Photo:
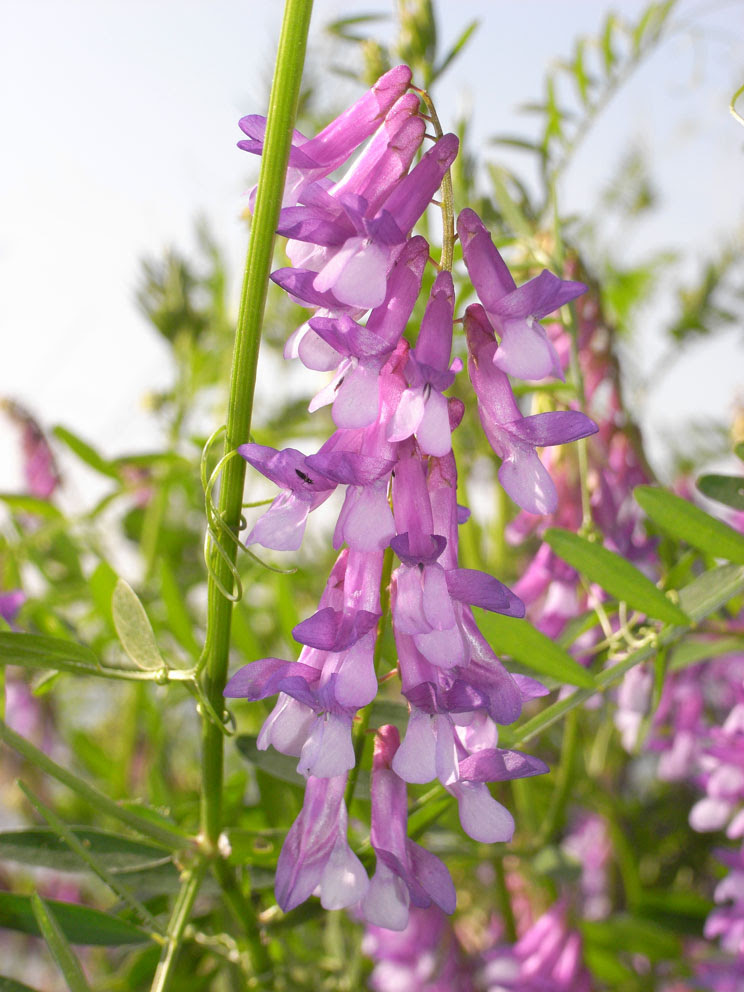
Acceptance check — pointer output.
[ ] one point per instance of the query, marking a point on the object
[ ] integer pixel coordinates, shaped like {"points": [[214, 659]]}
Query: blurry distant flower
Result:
{"points": [[39, 467]]}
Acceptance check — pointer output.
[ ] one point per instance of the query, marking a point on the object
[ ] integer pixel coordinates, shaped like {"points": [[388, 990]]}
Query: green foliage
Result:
{"points": [[614, 574], [527, 645], [687, 522], [578, 89], [58, 945], [726, 489], [78, 924]]}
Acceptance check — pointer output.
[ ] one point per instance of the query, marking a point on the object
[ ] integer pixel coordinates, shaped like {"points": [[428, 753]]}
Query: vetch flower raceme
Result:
{"points": [[353, 255]]}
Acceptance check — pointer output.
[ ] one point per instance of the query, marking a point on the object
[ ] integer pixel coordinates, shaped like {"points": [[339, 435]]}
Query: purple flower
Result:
{"points": [[525, 349], [363, 351], [10, 604], [39, 466], [334, 677], [514, 437], [283, 525], [362, 249], [311, 159], [405, 871], [547, 958], [316, 856], [423, 410], [426, 956]]}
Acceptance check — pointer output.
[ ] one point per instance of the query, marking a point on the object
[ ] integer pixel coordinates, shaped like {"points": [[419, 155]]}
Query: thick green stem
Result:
{"points": [[280, 123]]}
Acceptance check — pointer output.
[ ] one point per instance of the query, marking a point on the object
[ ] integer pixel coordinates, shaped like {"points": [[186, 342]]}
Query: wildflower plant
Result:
{"points": [[357, 716]]}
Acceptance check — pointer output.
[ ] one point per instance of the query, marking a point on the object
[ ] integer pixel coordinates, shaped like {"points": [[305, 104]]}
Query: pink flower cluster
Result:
{"points": [[356, 264]]}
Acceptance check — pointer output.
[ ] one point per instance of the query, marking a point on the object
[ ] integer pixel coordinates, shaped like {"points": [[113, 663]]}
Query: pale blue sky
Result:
{"points": [[120, 123]]}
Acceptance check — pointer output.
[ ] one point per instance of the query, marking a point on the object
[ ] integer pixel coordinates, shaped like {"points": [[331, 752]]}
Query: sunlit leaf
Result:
{"points": [[18, 503], [614, 574], [134, 628], [11, 985], [636, 936], [458, 46], [179, 618], [85, 452], [711, 590], [531, 648], [689, 523], [36, 651], [284, 767], [691, 651]]}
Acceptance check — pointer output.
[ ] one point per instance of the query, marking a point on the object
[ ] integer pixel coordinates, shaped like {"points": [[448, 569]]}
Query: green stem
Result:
{"points": [[95, 865], [177, 926], [244, 915], [280, 123], [507, 912], [448, 197], [564, 779]]}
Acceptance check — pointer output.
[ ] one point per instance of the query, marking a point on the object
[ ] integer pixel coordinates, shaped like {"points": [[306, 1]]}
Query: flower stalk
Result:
{"points": [[281, 116]]}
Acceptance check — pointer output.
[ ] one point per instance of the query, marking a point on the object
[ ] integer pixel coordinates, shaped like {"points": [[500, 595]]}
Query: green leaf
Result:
{"points": [[95, 864], [141, 820], [531, 648], [102, 583], [279, 766], [726, 489], [608, 52], [458, 46], [710, 591], [691, 651], [257, 848], [683, 912], [57, 944], [11, 985], [633, 935], [605, 966], [179, 618], [578, 69], [17, 503], [689, 523], [42, 848], [85, 452], [134, 628], [56, 653], [421, 819], [739, 450], [80, 924], [510, 210], [702, 597], [614, 574]]}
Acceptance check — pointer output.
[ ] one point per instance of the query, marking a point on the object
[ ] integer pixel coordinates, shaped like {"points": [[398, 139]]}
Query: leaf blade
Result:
{"points": [[615, 575], [134, 628], [689, 523], [80, 924], [58, 945], [532, 648]]}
